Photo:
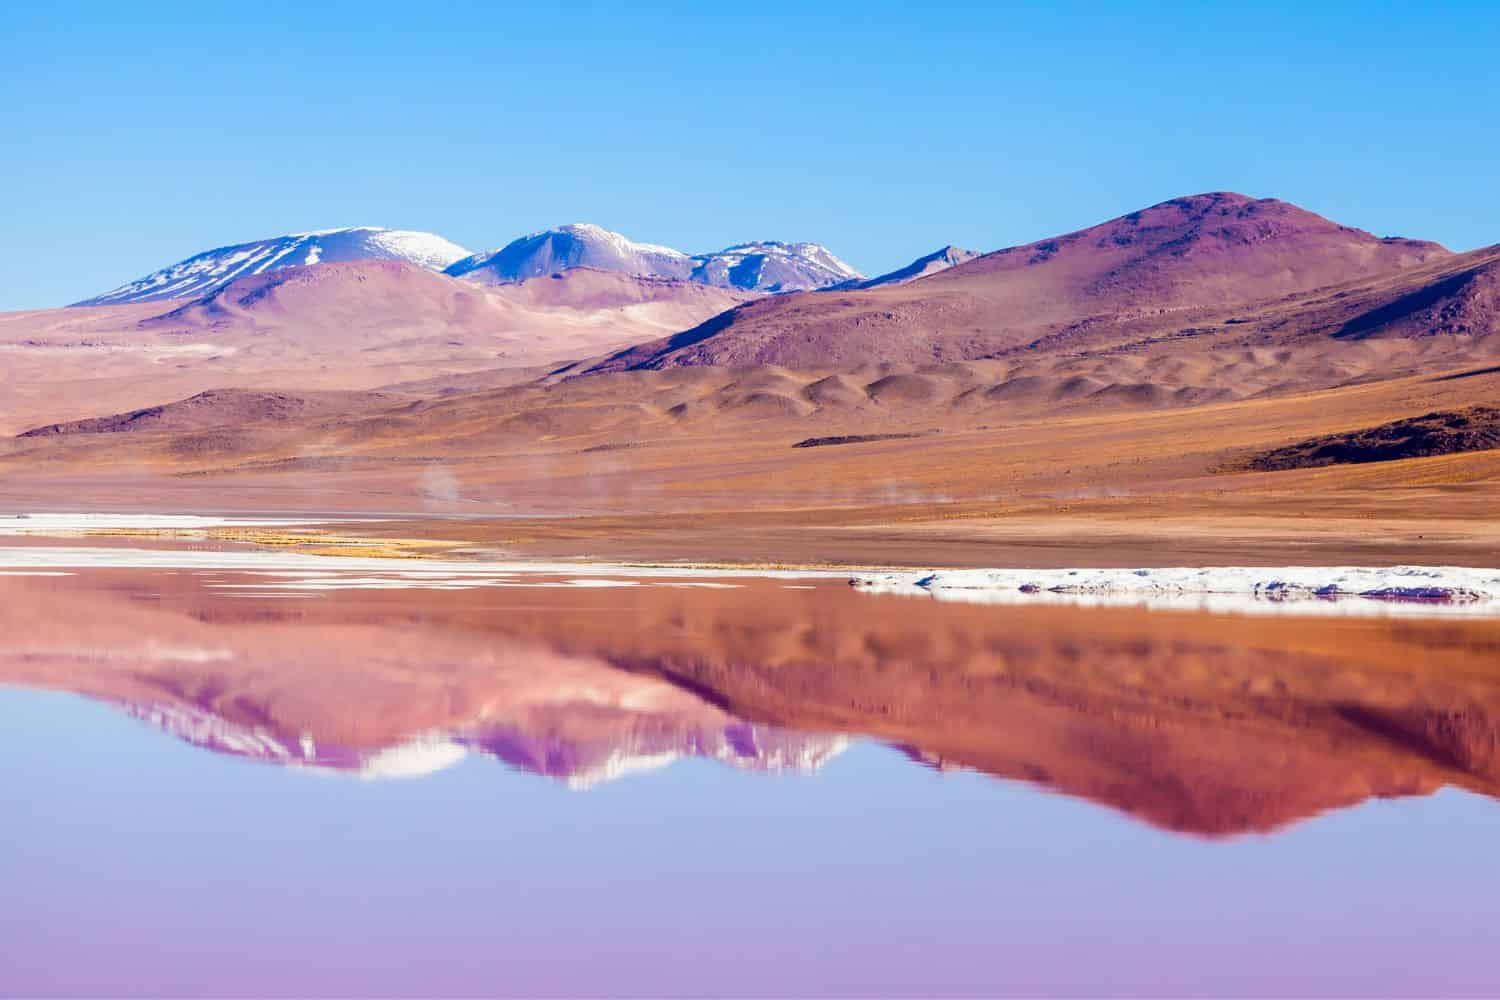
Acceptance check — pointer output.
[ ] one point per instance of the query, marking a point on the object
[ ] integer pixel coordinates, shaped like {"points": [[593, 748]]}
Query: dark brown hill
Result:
{"points": [[225, 408]]}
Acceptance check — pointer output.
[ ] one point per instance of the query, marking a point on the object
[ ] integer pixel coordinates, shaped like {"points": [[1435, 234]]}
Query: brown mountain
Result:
{"points": [[351, 325], [1158, 265], [369, 304], [922, 267]]}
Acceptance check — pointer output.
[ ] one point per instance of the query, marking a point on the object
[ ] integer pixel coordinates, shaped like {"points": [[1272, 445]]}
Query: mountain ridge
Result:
{"points": [[759, 266], [925, 266], [1192, 254]]}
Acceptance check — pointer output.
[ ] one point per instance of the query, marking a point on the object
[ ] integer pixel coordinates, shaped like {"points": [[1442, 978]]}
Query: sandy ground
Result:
{"points": [[701, 465], [1160, 487]]}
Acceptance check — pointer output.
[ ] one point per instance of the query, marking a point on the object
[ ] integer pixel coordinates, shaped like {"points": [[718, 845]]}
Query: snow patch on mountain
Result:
{"points": [[771, 266], [579, 244], [621, 244]]}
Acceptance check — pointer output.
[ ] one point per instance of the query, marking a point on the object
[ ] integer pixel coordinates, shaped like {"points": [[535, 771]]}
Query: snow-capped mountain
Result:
{"points": [[754, 267], [760, 267], [772, 267], [576, 245], [205, 273], [938, 260]]}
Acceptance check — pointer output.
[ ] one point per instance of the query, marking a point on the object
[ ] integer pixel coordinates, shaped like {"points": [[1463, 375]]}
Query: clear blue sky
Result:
{"points": [[138, 134]]}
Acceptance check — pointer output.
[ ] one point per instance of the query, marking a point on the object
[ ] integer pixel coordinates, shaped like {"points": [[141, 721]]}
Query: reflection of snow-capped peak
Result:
{"points": [[740, 745], [580, 763], [208, 730], [584, 763], [421, 755], [782, 750], [617, 765]]}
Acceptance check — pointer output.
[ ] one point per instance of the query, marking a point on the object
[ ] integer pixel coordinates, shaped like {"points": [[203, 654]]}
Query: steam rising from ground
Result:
{"points": [[439, 485]]}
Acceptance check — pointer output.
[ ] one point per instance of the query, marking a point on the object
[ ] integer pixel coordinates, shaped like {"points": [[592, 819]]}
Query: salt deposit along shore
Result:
{"points": [[278, 570], [1311, 590], [67, 525], [1269, 589], [270, 571]]}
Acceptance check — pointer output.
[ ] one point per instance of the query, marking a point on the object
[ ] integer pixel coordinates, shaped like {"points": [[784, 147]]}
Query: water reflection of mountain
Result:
{"points": [[579, 762], [1202, 724]]}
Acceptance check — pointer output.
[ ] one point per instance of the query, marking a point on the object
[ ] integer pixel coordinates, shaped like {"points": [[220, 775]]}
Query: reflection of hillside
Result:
{"points": [[371, 696], [1210, 725]]}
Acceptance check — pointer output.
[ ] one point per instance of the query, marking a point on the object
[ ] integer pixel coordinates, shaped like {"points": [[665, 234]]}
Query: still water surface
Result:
{"points": [[756, 789]]}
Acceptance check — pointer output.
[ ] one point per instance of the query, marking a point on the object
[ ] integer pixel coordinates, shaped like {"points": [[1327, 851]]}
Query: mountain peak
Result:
{"points": [[938, 260], [773, 266], [760, 266], [1151, 269], [207, 272], [577, 244]]}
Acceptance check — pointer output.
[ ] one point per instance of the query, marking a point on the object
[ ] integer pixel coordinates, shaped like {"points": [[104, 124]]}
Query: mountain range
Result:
{"points": [[621, 376], [1146, 273], [767, 266], [1149, 270], [753, 267]]}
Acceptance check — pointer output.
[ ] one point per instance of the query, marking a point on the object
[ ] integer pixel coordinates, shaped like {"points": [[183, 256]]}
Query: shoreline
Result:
{"points": [[314, 559]]}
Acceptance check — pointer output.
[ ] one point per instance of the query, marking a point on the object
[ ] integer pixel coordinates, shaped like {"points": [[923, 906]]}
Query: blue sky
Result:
{"points": [[139, 134]]}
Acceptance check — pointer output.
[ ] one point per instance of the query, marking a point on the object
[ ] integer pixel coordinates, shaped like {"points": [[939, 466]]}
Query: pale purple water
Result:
{"points": [[135, 863]]}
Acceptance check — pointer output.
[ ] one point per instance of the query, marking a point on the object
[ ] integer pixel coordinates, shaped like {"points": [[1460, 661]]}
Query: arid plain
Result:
{"points": [[1115, 396]]}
